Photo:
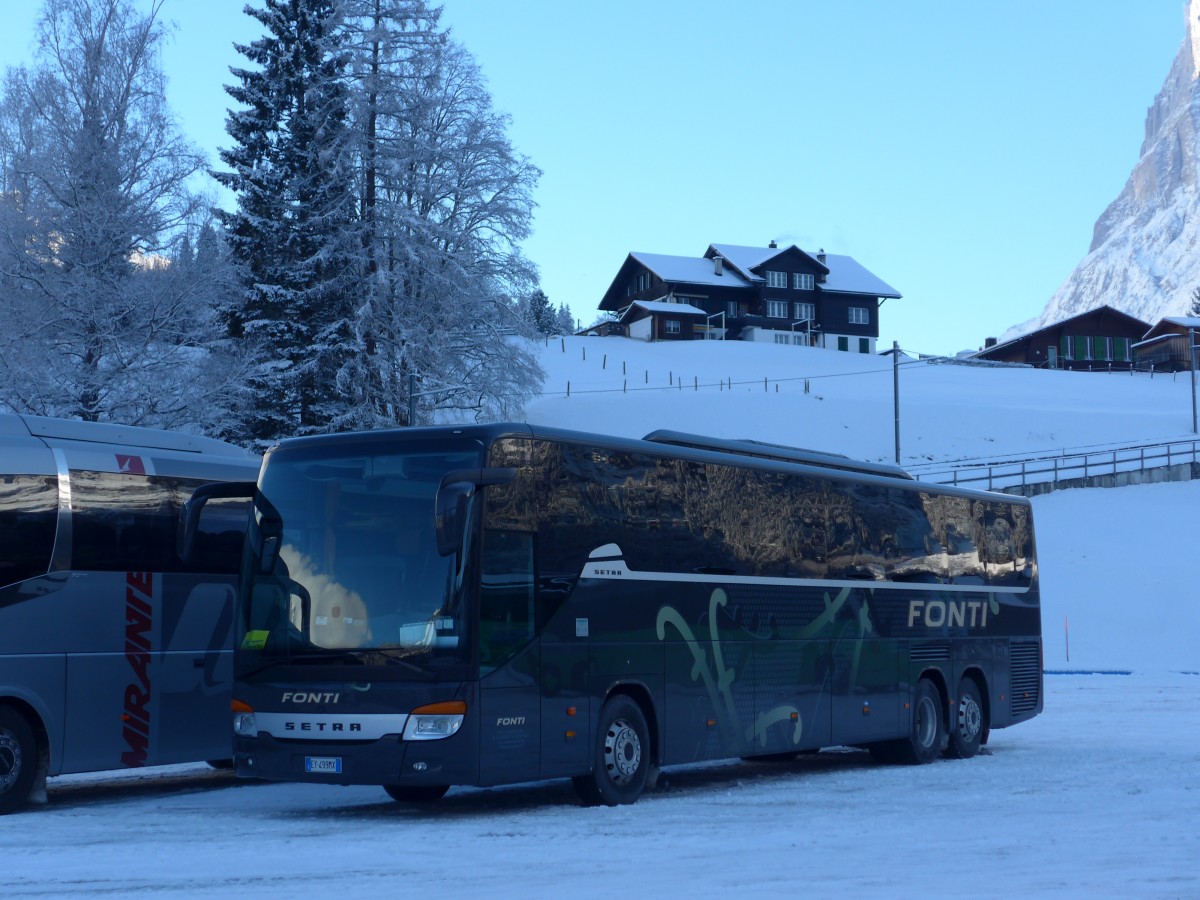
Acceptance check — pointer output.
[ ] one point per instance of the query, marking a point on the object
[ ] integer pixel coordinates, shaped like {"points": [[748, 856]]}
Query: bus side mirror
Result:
{"points": [[453, 497], [189, 514], [450, 515]]}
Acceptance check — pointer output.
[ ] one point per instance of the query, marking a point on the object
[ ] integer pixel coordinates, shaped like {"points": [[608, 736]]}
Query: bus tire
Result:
{"points": [[966, 722], [18, 760], [622, 756], [416, 793], [928, 731]]}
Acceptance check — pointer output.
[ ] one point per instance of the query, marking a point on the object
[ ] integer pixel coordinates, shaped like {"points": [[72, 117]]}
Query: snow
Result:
{"points": [[1098, 796]]}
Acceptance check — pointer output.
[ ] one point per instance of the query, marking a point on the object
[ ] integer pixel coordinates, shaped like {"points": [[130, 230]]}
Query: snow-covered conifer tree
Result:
{"points": [[295, 234]]}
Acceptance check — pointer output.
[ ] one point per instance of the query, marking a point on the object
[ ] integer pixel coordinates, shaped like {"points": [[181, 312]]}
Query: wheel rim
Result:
{"points": [[970, 718], [622, 752], [10, 760], [926, 722]]}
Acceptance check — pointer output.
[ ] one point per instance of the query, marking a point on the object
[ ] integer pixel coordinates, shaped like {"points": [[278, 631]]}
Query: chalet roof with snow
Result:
{"points": [[732, 267]]}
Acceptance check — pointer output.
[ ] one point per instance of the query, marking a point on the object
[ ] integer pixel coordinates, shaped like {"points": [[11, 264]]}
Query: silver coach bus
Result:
{"points": [[112, 653]]}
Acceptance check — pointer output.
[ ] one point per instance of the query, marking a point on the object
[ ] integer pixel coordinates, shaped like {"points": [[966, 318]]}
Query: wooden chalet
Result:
{"points": [[1100, 339], [780, 295], [1165, 346]]}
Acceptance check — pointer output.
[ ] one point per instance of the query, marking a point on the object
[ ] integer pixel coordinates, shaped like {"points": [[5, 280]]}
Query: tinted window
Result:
{"points": [[128, 523], [219, 539], [506, 594], [680, 516], [28, 518]]}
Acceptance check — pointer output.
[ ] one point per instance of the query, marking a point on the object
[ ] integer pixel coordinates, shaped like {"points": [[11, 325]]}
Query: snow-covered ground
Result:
{"points": [[1099, 796]]}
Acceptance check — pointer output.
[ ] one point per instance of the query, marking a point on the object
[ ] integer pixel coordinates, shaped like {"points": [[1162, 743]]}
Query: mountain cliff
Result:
{"points": [[1144, 257]]}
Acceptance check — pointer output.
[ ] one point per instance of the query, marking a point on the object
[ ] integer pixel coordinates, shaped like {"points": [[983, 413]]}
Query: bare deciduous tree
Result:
{"points": [[96, 323]]}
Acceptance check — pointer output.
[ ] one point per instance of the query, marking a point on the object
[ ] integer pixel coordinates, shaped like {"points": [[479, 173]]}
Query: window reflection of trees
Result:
{"points": [[684, 516]]}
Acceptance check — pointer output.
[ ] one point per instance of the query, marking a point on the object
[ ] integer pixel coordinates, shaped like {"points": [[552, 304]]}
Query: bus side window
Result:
{"points": [[506, 597], [220, 536], [28, 522]]}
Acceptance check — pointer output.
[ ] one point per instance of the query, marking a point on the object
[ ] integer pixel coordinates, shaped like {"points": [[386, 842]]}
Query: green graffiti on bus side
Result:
{"points": [[718, 678]]}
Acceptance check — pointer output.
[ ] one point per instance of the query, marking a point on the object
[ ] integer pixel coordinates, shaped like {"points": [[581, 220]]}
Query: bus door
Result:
{"points": [[197, 668], [867, 702], [509, 661]]}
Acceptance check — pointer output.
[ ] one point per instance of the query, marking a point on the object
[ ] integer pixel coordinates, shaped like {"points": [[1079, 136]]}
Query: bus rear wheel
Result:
{"points": [[928, 732], [18, 760], [967, 725], [416, 793], [622, 756]]}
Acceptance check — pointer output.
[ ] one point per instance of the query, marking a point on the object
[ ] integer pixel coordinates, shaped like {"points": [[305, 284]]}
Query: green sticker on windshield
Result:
{"points": [[254, 640]]}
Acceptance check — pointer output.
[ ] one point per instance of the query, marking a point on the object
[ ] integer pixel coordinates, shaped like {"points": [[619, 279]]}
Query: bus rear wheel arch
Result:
{"points": [[20, 759], [623, 755]]}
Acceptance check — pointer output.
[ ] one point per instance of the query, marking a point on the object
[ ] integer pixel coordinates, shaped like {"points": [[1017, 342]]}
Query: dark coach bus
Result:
{"points": [[112, 653], [492, 604]]}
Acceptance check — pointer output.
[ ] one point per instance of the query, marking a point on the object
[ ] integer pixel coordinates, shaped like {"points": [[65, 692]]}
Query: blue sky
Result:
{"points": [[962, 152]]}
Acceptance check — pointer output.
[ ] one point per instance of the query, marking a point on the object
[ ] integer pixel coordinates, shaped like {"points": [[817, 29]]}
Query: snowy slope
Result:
{"points": [[947, 411]]}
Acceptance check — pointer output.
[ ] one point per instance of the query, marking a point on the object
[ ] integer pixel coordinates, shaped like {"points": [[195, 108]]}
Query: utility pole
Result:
{"points": [[1192, 372], [896, 393]]}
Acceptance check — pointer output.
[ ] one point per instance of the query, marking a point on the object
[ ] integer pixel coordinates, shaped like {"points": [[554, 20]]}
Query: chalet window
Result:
{"points": [[864, 345], [777, 279], [672, 326], [802, 282], [731, 308], [798, 340], [859, 315], [1123, 352], [781, 338], [843, 343], [805, 311], [1108, 348], [777, 309]]}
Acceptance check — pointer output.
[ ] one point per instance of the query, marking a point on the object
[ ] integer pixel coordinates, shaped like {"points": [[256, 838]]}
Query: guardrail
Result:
{"points": [[1065, 468]]}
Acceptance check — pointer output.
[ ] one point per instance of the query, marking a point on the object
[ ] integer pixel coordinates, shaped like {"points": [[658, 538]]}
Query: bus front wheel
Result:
{"points": [[18, 759], [967, 725], [622, 755], [928, 732]]}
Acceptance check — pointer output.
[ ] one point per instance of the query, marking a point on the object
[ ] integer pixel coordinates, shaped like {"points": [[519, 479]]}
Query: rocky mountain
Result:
{"points": [[1145, 252]]}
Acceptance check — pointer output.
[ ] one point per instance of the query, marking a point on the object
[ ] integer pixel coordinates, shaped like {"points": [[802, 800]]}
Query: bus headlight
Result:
{"points": [[435, 721], [244, 723]]}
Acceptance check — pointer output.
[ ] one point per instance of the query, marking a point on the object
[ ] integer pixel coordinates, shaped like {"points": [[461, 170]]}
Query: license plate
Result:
{"points": [[326, 765]]}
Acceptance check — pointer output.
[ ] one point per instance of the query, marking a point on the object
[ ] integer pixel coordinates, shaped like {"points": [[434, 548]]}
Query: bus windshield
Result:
{"points": [[343, 564]]}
